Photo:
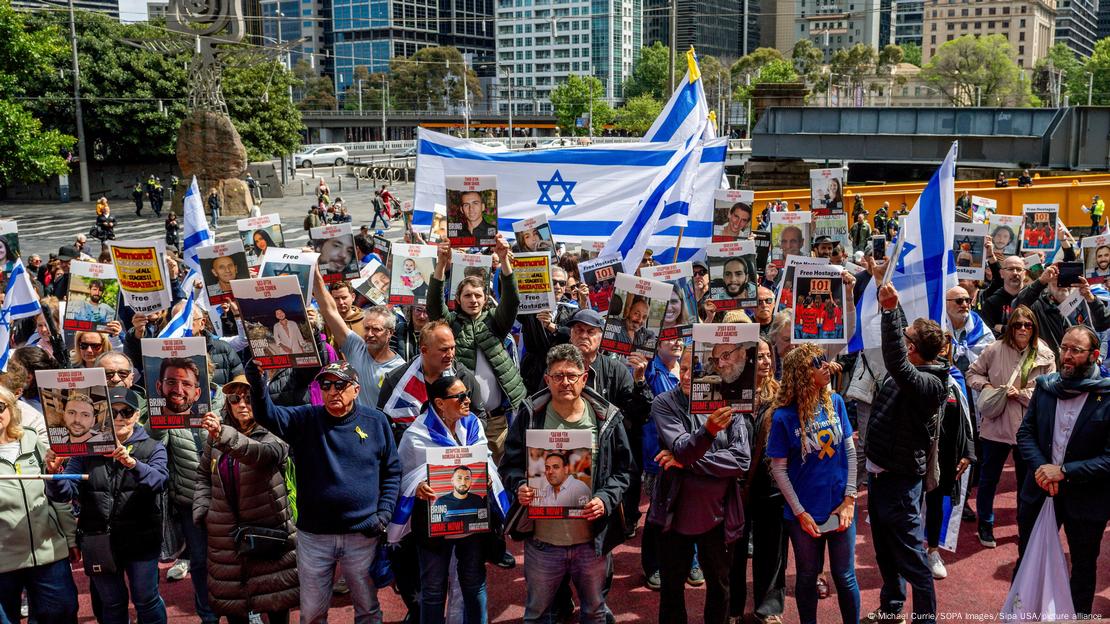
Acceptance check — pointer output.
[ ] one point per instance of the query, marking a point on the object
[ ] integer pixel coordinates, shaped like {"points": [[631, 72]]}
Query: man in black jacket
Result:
{"points": [[997, 300], [1044, 297], [1065, 441], [904, 420]]}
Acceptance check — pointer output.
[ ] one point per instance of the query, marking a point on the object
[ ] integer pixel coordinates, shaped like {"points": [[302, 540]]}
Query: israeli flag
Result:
{"points": [[181, 325], [20, 301], [197, 233], [923, 268]]}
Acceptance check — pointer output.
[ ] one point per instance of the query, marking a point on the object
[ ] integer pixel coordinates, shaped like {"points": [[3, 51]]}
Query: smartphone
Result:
{"points": [[830, 525], [1070, 273], [878, 247]]}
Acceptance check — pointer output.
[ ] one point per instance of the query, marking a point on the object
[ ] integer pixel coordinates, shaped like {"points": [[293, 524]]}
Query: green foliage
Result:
{"points": [[259, 105], [649, 74], [637, 114], [432, 79], [968, 68], [778, 71], [1098, 66], [911, 53], [890, 56], [31, 154], [751, 63], [571, 99], [373, 86], [808, 60], [853, 64], [1059, 64]]}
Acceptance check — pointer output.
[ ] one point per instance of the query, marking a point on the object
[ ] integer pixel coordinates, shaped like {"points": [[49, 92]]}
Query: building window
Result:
{"points": [[1023, 22], [1021, 50]]}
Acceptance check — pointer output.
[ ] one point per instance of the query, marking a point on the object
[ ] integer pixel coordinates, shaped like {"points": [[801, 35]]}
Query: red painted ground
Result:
{"points": [[977, 582]]}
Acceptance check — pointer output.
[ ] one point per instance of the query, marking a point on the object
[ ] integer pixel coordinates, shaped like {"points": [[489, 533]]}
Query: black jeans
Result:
{"points": [[676, 552], [1084, 542], [767, 528], [897, 530], [405, 561]]}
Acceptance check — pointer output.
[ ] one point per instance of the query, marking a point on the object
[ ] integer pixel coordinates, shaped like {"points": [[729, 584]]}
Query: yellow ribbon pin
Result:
{"points": [[824, 438], [361, 434]]}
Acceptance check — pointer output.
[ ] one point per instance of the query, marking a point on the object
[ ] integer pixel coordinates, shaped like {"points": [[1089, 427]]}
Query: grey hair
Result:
{"points": [[389, 320], [782, 319], [559, 269], [100, 358], [565, 353]]}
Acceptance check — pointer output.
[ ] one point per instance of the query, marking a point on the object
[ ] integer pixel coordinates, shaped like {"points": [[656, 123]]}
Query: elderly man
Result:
{"points": [[634, 331], [970, 335], [764, 309], [790, 241], [578, 547]]}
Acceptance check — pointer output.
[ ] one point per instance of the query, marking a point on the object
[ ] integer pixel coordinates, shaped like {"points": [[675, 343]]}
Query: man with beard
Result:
{"points": [[1065, 441], [92, 309], [737, 279], [822, 246], [179, 384], [1102, 262], [79, 419], [1044, 297], [729, 362], [460, 501], [633, 331]]}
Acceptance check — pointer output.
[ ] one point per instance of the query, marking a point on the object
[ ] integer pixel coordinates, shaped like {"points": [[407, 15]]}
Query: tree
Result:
{"points": [[971, 69], [751, 63], [649, 73], [889, 57], [637, 114], [1054, 70], [258, 103], [432, 79], [571, 100], [911, 53], [808, 60], [852, 65], [779, 71], [714, 81], [1093, 78], [30, 153], [318, 94]]}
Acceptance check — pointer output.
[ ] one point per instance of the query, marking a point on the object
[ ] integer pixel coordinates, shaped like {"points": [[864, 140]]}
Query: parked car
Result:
{"points": [[322, 155], [406, 153]]}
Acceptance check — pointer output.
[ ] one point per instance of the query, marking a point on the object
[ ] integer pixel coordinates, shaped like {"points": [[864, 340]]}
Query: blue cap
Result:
{"points": [[589, 317]]}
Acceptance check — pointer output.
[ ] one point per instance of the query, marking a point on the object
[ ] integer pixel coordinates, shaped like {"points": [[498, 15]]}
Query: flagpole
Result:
{"points": [[678, 244]]}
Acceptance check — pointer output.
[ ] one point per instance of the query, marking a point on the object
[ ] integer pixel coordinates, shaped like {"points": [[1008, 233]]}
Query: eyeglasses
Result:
{"points": [[236, 399], [559, 282], [125, 413], [820, 362], [461, 397], [112, 374], [700, 272], [565, 377], [725, 355], [1065, 350], [961, 300], [768, 300], [1022, 325], [338, 384]]}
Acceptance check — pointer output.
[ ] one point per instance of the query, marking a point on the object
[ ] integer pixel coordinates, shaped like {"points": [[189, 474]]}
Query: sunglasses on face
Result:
{"points": [[339, 385], [125, 413], [1022, 325], [767, 301], [559, 282], [91, 346], [236, 399], [461, 397], [961, 300], [700, 273], [820, 362], [112, 374]]}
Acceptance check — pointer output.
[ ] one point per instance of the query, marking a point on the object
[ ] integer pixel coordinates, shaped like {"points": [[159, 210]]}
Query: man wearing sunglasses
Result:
{"points": [[970, 335], [348, 479]]}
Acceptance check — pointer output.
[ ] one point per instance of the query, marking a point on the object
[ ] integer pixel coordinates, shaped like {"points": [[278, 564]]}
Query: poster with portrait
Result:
{"points": [[635, 316], [177, 382], [1039, 227], [300, 264], [1005, 233], [560, 472], [968, 240], [373, 283], [732, 277], [682, 306], [732, 214], [724, 367], [533, 234], [335, 244], [1096, 258], [598, 275], [382, 247], [142, 274], [762, 240], [835, 226], [9, 244], [77, 411], [826, 189], [413, 266], [784, 294], [91, 302], [458, 475], [789, 235], [983, 209], [819, 307], [219, 265], [464, 265], [471, 210], [275, 322], [259, 234], [590, 250], [532, 272]]}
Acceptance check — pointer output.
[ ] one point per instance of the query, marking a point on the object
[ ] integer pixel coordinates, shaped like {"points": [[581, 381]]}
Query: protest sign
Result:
{"points": [[457, 474], [835, 226], [77, 411], [598, 275], [724, 358], [413, 266], [91, 302], [559, 471], [635, 316], [177, 381], [300, 264], [819, 308], [789, 235], [983, 209], [826, 188], [967, 247], [533, 234], [682, 308], [219, 264], [373, 282], [1039, 231], [784, 295], [471, 210], [276, 325], [141, 274], [732, 276], [732, 214], [259, 234], [336, 245], [532, 272], [1096, 258], [9, 245], [1004, 230]]}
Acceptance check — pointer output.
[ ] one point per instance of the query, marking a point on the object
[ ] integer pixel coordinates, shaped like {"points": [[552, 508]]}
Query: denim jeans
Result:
{"points": [[990, 471], [897, 530], [317, 556], [142, 582], [809, 560], [544, 567], [51, 593], [196, 541], [435, 559]]}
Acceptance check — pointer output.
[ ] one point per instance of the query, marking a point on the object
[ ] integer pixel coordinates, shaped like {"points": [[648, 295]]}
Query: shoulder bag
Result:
{"points": [[992, 401]]}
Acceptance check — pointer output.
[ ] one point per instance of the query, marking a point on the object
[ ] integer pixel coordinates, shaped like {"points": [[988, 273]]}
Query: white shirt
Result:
{"points": [[287, 334], [573, 493], [1067, 411]]}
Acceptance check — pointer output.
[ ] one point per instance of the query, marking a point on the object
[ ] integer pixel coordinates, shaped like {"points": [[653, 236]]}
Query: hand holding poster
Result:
{"points": [[532, 272], [967, 247], [1039, 233], [732, 214], [724, 367], [533, 234], [826, 187], [789, 235], [682, 307], [819, 310], [413, 266], [177, 381], [1096, 258], [457, 474], [93, 297], [278, 262], [560, 472], [336, 245], [635, 316], [1004, 230], [273, 313], [77, 411], [599, 274], [142, 275], [732, 276], [471, 210], [259, 234], [219, 265]]}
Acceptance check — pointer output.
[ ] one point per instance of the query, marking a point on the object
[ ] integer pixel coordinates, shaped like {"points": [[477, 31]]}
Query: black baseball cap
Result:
{"points": [[68, 252], [589, 317], [342, 370], [121, 394], [821, 240]]}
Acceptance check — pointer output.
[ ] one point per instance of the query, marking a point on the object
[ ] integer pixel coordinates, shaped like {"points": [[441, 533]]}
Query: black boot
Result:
{"points": [[986, 534]]}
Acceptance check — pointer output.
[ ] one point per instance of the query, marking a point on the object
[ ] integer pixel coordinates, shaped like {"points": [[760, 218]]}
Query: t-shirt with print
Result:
{"points": [[571, 531], [370, 371], [817, 462]]}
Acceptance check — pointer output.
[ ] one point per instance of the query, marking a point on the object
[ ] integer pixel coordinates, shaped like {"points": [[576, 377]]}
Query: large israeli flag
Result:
{"points": [[20, 301], [197, 232], [923, 267]]}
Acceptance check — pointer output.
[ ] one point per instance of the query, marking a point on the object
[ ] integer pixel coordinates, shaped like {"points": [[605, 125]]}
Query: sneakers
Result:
{"points": [[937, 566], [654, 582], [969, 514], [696, 578], [178, 571], [507, 561], [340, 587], [986, 535]]}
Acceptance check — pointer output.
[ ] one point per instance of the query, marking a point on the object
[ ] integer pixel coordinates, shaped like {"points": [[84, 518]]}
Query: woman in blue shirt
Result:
{"points": [[813, 462]]}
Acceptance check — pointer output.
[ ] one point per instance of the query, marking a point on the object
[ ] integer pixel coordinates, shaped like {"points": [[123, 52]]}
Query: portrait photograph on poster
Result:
{"points": [[259, 234], [279, 262], [9, 244], [968, 241], [560, 471], [471, 210], [1039, 227], [983, 209], [413, 266], [682, 307], [1005, 231], [723, 367], [93, 297], [77, 411], [276, 325], [826, 188], [373, 282], [732, 276], [177, 381], [598, 275], [219, 265], [533, 234], [1096, 258], [458, 476], [732, 214], [789, 235], [819, 310], [335, 243], [635, 316]]}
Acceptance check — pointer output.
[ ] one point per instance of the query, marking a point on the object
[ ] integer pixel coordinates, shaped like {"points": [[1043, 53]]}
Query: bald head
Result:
{"points": [[1013, 273], [958, 305]]}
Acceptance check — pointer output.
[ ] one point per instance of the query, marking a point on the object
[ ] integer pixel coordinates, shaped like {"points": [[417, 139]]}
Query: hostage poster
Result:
{"points": [[533, 234], [598, 275], [259, 234], [819, 311], [1039, 231], [724, 367], [142, 274], [682, 307], [276, 325], [458, 475], [968, 241], [411, 271], [789, 235], [560, 472], [826, 188], [1096, 258], [219, 265], [532, 272], [635, 316], [471, 210], [732, 277], [177, 381], [336, 245], [77, 411], [1005, 233], [91, 302], [280, 262], [732, 214]]}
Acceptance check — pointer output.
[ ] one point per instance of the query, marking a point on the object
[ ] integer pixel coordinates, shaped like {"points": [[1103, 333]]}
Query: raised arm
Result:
{"points": [[337, 327], [437, 307]]}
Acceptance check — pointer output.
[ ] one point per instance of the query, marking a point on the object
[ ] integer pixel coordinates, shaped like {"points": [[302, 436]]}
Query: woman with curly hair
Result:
{"points": [[813, 461]]}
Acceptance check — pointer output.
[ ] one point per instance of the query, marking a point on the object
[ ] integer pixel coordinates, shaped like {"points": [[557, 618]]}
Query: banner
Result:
{"points": [[219, 265], [77, 412], [142, 275], [532, 272], [177, 382], [724, 365], [93, 298]]}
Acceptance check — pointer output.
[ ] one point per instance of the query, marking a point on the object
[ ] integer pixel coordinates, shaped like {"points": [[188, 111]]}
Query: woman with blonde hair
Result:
{"points": [[87, 346], [813, 461]]}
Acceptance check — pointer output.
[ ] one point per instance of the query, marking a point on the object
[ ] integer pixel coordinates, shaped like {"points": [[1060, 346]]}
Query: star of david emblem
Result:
{"points": [[545, 192], [907, 247]]}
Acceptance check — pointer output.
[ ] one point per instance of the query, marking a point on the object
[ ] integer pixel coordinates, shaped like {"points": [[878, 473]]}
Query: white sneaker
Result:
{"points": [[178, 571], [937, 566]]}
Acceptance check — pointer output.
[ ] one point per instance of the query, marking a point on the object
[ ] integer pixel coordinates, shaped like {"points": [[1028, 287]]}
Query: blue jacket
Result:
{"points": [[661, 381]]}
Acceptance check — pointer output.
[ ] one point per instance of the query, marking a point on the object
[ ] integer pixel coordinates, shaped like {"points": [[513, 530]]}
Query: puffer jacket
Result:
{"points": [[994, 367], [487, 332], [238, 584], [34, 530], [183, 449]]}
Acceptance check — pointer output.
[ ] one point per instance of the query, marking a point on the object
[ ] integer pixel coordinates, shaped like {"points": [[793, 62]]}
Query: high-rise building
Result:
{"points": [[837, 24], [111, 7], [1028, 24], [371, 32], [776, 25], [468, 26], [712, 27], [908, 18], [1103, 19], [293, 20], [540, 43], [1077, 25], [157, 9]]}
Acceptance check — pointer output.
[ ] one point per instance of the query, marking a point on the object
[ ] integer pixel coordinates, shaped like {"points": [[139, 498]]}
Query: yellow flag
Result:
{"points": [[692, 63]]}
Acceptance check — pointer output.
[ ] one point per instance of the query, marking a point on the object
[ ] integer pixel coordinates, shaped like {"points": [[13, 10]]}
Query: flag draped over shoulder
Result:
{"points": [[20, 301], [197, 233], [923, 268]]}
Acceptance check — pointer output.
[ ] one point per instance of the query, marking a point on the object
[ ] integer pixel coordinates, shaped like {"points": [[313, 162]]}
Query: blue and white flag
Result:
{"points": [[20, 301], [923, 268], [181, 325], [197, 233], [686, 114]]}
